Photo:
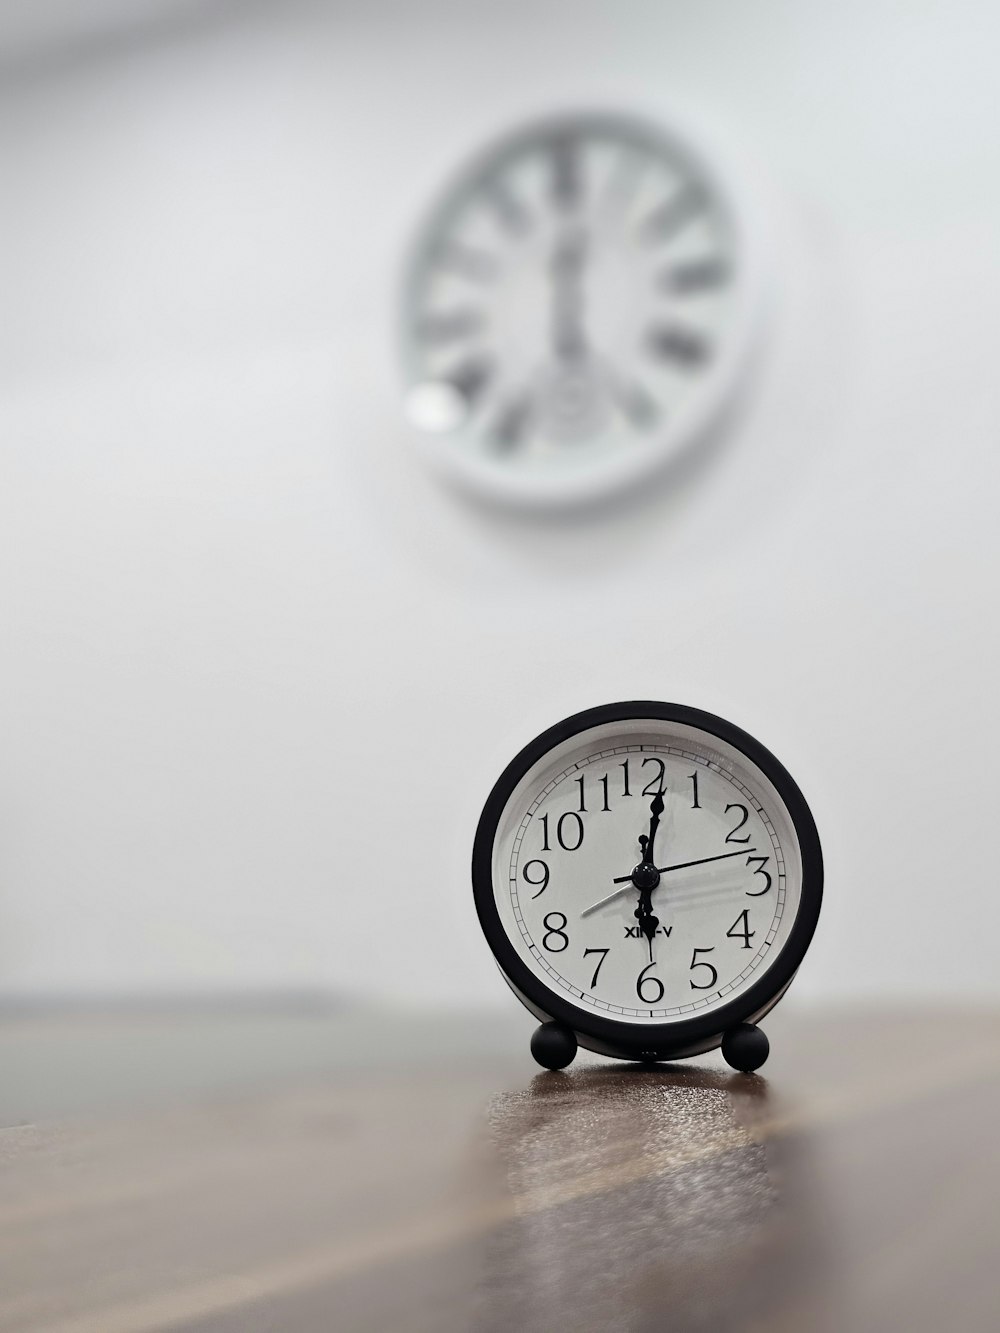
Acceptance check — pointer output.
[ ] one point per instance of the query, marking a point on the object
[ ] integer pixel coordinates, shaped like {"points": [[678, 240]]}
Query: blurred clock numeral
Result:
{"points": [[746, 934], [671, 342], [466, 260], [714, 971], [567, 180], [507, 207], [645, 981], [761, 862], [557, 931], [471, 377], [655, 785], [668, 218], [597, 970], [511, 423], [730, 836], [444, 326], [696, 275], [535, 883]]}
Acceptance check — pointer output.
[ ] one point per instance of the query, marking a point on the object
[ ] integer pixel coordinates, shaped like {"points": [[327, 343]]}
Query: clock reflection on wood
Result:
{"points": [[578, 309], [669, 1217]]}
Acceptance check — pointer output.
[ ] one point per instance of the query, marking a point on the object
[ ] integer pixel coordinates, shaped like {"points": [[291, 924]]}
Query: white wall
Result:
{"points": [[241, 632]]}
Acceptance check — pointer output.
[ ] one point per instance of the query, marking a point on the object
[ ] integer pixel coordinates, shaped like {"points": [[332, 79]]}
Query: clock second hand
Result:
{"points": [[626, 880]]}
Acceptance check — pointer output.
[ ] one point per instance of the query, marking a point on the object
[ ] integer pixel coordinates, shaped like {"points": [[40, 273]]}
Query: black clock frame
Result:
{"points": [[659, 1041]]}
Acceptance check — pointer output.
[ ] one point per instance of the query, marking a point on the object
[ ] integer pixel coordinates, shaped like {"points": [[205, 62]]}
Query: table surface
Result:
{"points": [[375, 1172]]}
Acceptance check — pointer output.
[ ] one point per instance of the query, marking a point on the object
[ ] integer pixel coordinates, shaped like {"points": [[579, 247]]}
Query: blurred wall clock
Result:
{"points": [[578, 308]]}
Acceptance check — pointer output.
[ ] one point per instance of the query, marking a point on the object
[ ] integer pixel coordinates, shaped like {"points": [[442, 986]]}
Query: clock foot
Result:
{"points": [[745, 1047], [553, 1046]]}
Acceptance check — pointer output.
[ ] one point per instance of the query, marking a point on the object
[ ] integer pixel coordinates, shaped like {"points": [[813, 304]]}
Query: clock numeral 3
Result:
{"points": [[761, 862]]}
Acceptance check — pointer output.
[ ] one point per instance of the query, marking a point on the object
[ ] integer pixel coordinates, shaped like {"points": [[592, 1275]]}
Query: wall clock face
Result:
{"points": [[577, 309], [649, 875]]}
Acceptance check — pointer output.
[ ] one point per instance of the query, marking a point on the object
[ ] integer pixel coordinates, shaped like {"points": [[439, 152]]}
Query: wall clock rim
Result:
{"points": [[703, 411]]}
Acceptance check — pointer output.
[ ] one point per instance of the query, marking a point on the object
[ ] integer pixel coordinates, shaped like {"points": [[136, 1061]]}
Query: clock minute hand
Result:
{"points": [[683, 865]]}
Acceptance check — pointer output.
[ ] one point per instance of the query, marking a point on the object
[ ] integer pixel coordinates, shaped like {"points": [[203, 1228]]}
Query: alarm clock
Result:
{"points": [[648, 877], [578, 307]]}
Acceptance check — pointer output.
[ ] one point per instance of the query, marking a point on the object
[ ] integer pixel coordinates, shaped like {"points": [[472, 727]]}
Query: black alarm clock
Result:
{"points": [[648, 877]]}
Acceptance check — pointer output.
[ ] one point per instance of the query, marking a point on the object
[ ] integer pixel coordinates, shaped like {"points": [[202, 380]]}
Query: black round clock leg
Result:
{"points": [[745, 1047], [553, 1046]]}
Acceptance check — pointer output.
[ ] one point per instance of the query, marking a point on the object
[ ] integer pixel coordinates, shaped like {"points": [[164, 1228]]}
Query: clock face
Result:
{"points": [[649, 871], [577, 308]]}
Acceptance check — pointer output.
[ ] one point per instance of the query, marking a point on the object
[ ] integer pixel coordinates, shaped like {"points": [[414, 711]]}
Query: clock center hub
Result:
{"points": [[645, 876]]}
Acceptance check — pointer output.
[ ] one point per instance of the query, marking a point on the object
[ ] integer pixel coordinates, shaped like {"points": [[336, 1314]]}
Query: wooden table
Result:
{"points": [[402, 1174]]}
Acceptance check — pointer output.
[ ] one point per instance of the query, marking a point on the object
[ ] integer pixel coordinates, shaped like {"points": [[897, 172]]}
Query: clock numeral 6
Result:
{"points": [[643, 984]]}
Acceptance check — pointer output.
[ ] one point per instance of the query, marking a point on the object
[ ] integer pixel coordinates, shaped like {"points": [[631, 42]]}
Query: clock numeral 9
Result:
{"points": [[557, 931], [570, 820], [543, 882]]}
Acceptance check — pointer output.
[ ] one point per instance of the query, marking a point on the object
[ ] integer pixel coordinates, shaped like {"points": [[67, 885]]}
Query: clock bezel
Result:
{"points": [[619, 1036]]}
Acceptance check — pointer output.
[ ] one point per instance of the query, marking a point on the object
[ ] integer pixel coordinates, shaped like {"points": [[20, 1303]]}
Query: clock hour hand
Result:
{"points": [[656, 810], [648, 923], [683, 865], [569, 339]]}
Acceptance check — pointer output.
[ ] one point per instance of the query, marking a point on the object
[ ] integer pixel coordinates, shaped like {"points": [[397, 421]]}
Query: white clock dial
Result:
{"points": [[577, 308], [683, 932]]}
